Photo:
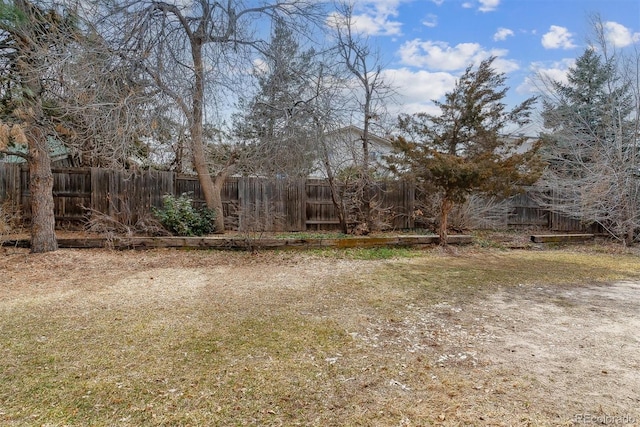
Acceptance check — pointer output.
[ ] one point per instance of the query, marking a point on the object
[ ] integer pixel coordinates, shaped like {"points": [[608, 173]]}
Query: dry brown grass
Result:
{"points": [[337, 338]]}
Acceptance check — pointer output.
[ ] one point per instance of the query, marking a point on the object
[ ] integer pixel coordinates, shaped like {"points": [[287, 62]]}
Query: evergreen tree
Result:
{"points": [[464, 150], [59, 80], [32, 43], [276, 121]]}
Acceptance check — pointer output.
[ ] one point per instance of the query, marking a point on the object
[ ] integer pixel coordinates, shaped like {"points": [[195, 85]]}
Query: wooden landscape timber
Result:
{"points": [[561, 238], [243, 243]]}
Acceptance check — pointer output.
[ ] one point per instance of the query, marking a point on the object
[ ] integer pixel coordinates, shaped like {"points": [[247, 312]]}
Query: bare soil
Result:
{"points": [[529, 354], [575, 351]]}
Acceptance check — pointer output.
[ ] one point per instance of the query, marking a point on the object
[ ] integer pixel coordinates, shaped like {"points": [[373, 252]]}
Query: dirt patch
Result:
{"points": [[538, 355], [580, 345]]}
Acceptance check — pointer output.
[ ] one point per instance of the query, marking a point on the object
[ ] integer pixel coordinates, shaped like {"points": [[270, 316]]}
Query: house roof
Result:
{"points": [[356, 131], [57, 151]]}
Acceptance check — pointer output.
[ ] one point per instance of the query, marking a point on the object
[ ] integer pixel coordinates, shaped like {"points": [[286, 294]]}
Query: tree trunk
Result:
{"points": [[337, 201], [30, 66], [366, 169], [211, 188], [445, 208], [43, 236], [211, 192]]}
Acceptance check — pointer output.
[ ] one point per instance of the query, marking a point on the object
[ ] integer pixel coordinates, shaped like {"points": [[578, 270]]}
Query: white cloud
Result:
{"points": [[484, 6], [417, 107], [502, 34], [417, 89], [375, 17], [260, 66], [437, 2], [488, 5], [558, 38], [503, 65], [430, 21], [376, 25], [542, 74], [618, 35], [437, 55]]}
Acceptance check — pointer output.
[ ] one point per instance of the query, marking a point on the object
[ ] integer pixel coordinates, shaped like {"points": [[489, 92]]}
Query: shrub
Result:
{"points": [[180, 217]]}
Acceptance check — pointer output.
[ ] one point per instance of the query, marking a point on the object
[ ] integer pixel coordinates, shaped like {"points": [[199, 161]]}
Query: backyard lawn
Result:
{"points": [[376, 337]]}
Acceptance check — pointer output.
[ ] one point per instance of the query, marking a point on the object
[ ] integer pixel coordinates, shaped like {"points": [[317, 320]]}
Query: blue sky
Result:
{"points": [[426, 44]]}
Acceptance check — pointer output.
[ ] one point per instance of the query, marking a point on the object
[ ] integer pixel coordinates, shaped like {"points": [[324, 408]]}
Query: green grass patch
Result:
{"points": [[313, 235], [375, 253]]}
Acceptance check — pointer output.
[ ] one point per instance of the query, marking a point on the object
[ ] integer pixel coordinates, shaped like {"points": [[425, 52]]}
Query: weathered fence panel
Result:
{"points": [[397, 203], [250, 204], [254, 204], [25, 194], [393, 202], [294, 196], [126, 196], [188, 184], [526, 213], [320, 213], [259, 207], [72, 193], [10, 183], [559, 222]]}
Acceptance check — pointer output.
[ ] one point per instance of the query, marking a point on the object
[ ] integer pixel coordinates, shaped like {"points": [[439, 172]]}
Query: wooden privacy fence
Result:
{"points": [[526, 212], [257, 204], [249, 203]]}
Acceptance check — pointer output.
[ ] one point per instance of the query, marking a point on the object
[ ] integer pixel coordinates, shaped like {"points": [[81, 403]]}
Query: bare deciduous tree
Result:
{"points": [[63, 83], [104, 109], [371, 93], [592, 140], [188, 50]]}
